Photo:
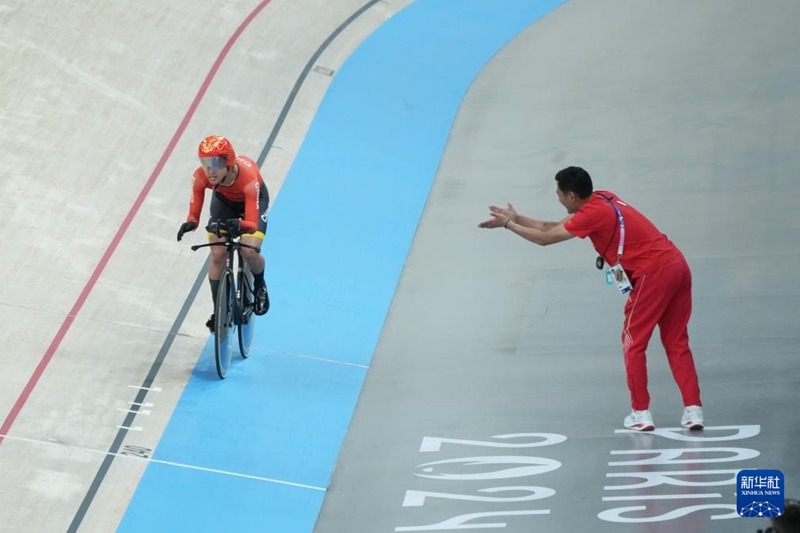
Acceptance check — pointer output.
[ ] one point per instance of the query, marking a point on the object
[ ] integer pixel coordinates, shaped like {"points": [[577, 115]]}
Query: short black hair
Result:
{"points": [[575, 179]]}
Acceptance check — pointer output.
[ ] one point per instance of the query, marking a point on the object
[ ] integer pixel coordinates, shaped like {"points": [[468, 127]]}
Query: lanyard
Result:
{"points": [[621, 226]]}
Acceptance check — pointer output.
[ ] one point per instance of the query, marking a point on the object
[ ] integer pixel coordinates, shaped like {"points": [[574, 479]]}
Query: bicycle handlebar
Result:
{"points": [[227, 242], [217, 228]]}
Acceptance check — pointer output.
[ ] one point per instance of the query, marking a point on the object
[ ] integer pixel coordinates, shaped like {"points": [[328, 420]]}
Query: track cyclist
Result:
{"points": [[239, 205]]}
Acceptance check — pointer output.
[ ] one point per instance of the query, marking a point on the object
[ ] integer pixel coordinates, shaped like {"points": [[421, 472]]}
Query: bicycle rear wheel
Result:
{"points": [[224, 324], [247, 320]]}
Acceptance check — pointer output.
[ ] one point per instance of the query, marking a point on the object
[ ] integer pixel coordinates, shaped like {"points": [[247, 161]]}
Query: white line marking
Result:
{"points": [[659, 497], [140, 412], [168, 463], [146, 404], [134, 428], [153, 389], [83, 318], [313, 357], [237, 474]]}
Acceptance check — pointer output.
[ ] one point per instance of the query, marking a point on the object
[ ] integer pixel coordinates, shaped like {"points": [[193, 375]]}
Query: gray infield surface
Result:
{"points": [[688, 110]]}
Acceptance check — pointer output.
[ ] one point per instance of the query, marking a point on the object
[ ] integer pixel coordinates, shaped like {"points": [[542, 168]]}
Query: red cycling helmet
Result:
{"points": [[216, 153]]}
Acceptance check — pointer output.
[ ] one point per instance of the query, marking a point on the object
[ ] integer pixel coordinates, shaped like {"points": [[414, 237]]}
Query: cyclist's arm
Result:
{"points": [[251, 207], [198, 195]]}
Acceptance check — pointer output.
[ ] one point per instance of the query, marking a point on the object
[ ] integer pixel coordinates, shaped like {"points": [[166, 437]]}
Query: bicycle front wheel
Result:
{"points": [[247, 320], [224, 324]]}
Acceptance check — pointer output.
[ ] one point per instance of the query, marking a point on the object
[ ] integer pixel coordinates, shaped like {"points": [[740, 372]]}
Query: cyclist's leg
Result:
{"points": [[219, 213], [254, 260]]}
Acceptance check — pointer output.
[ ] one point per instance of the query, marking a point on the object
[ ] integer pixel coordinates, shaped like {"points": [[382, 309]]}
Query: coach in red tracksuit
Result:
{"points": [[644, 265]]}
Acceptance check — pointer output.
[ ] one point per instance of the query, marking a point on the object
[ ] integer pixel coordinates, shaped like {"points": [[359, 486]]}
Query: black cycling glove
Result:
{"points": [[186, 226], [234, 227]]}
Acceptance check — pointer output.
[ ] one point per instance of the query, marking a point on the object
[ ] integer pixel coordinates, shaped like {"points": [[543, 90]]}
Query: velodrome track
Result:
{"points": [[402, 339]]}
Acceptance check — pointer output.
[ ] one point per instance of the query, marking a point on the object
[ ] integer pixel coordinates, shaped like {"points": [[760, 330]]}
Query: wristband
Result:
{"points": [[506, 224]]}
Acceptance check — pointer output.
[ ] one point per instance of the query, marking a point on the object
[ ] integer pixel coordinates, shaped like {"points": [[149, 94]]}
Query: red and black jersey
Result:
{"points": [[244, 190]]}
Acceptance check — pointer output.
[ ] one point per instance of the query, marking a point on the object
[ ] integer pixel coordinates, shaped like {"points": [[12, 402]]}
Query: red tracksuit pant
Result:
{"points": [[664, 299]]}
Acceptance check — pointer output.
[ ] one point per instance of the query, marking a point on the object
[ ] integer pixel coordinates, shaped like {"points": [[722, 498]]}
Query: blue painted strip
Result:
{"points": [[339, 235]]}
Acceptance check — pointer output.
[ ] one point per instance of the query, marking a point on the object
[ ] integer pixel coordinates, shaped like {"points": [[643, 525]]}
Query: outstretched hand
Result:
{"points": [[186, 226], [500, 216]]}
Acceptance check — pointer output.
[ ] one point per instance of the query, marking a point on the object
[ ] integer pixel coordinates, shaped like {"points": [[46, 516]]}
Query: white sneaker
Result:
{"points": [[640, 421], [692, 417]]}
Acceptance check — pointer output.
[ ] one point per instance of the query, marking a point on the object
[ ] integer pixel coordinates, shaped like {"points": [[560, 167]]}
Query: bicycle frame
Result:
{"points": [[233, 247], [230, 308]]}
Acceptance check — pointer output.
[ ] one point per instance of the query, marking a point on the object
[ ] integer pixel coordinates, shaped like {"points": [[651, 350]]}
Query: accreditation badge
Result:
{"points": [[616, 275]]}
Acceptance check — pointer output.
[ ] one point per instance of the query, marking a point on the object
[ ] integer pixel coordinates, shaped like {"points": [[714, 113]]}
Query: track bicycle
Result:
{"points": [[235, 301]]}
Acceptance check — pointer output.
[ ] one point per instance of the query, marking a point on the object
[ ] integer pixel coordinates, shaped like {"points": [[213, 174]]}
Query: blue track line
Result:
{"points": [[338, 239]]}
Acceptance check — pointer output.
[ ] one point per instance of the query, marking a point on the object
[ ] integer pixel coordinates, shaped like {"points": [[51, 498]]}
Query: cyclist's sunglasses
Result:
{"points": [[217, 162]]}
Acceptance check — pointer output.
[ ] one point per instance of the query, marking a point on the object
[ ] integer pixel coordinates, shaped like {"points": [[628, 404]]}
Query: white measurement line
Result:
{"points": [[315, 358], [146, 404], [660, 497], [237, 474], [152, 389], [134, 428], [168, 463], [144, 412]]}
